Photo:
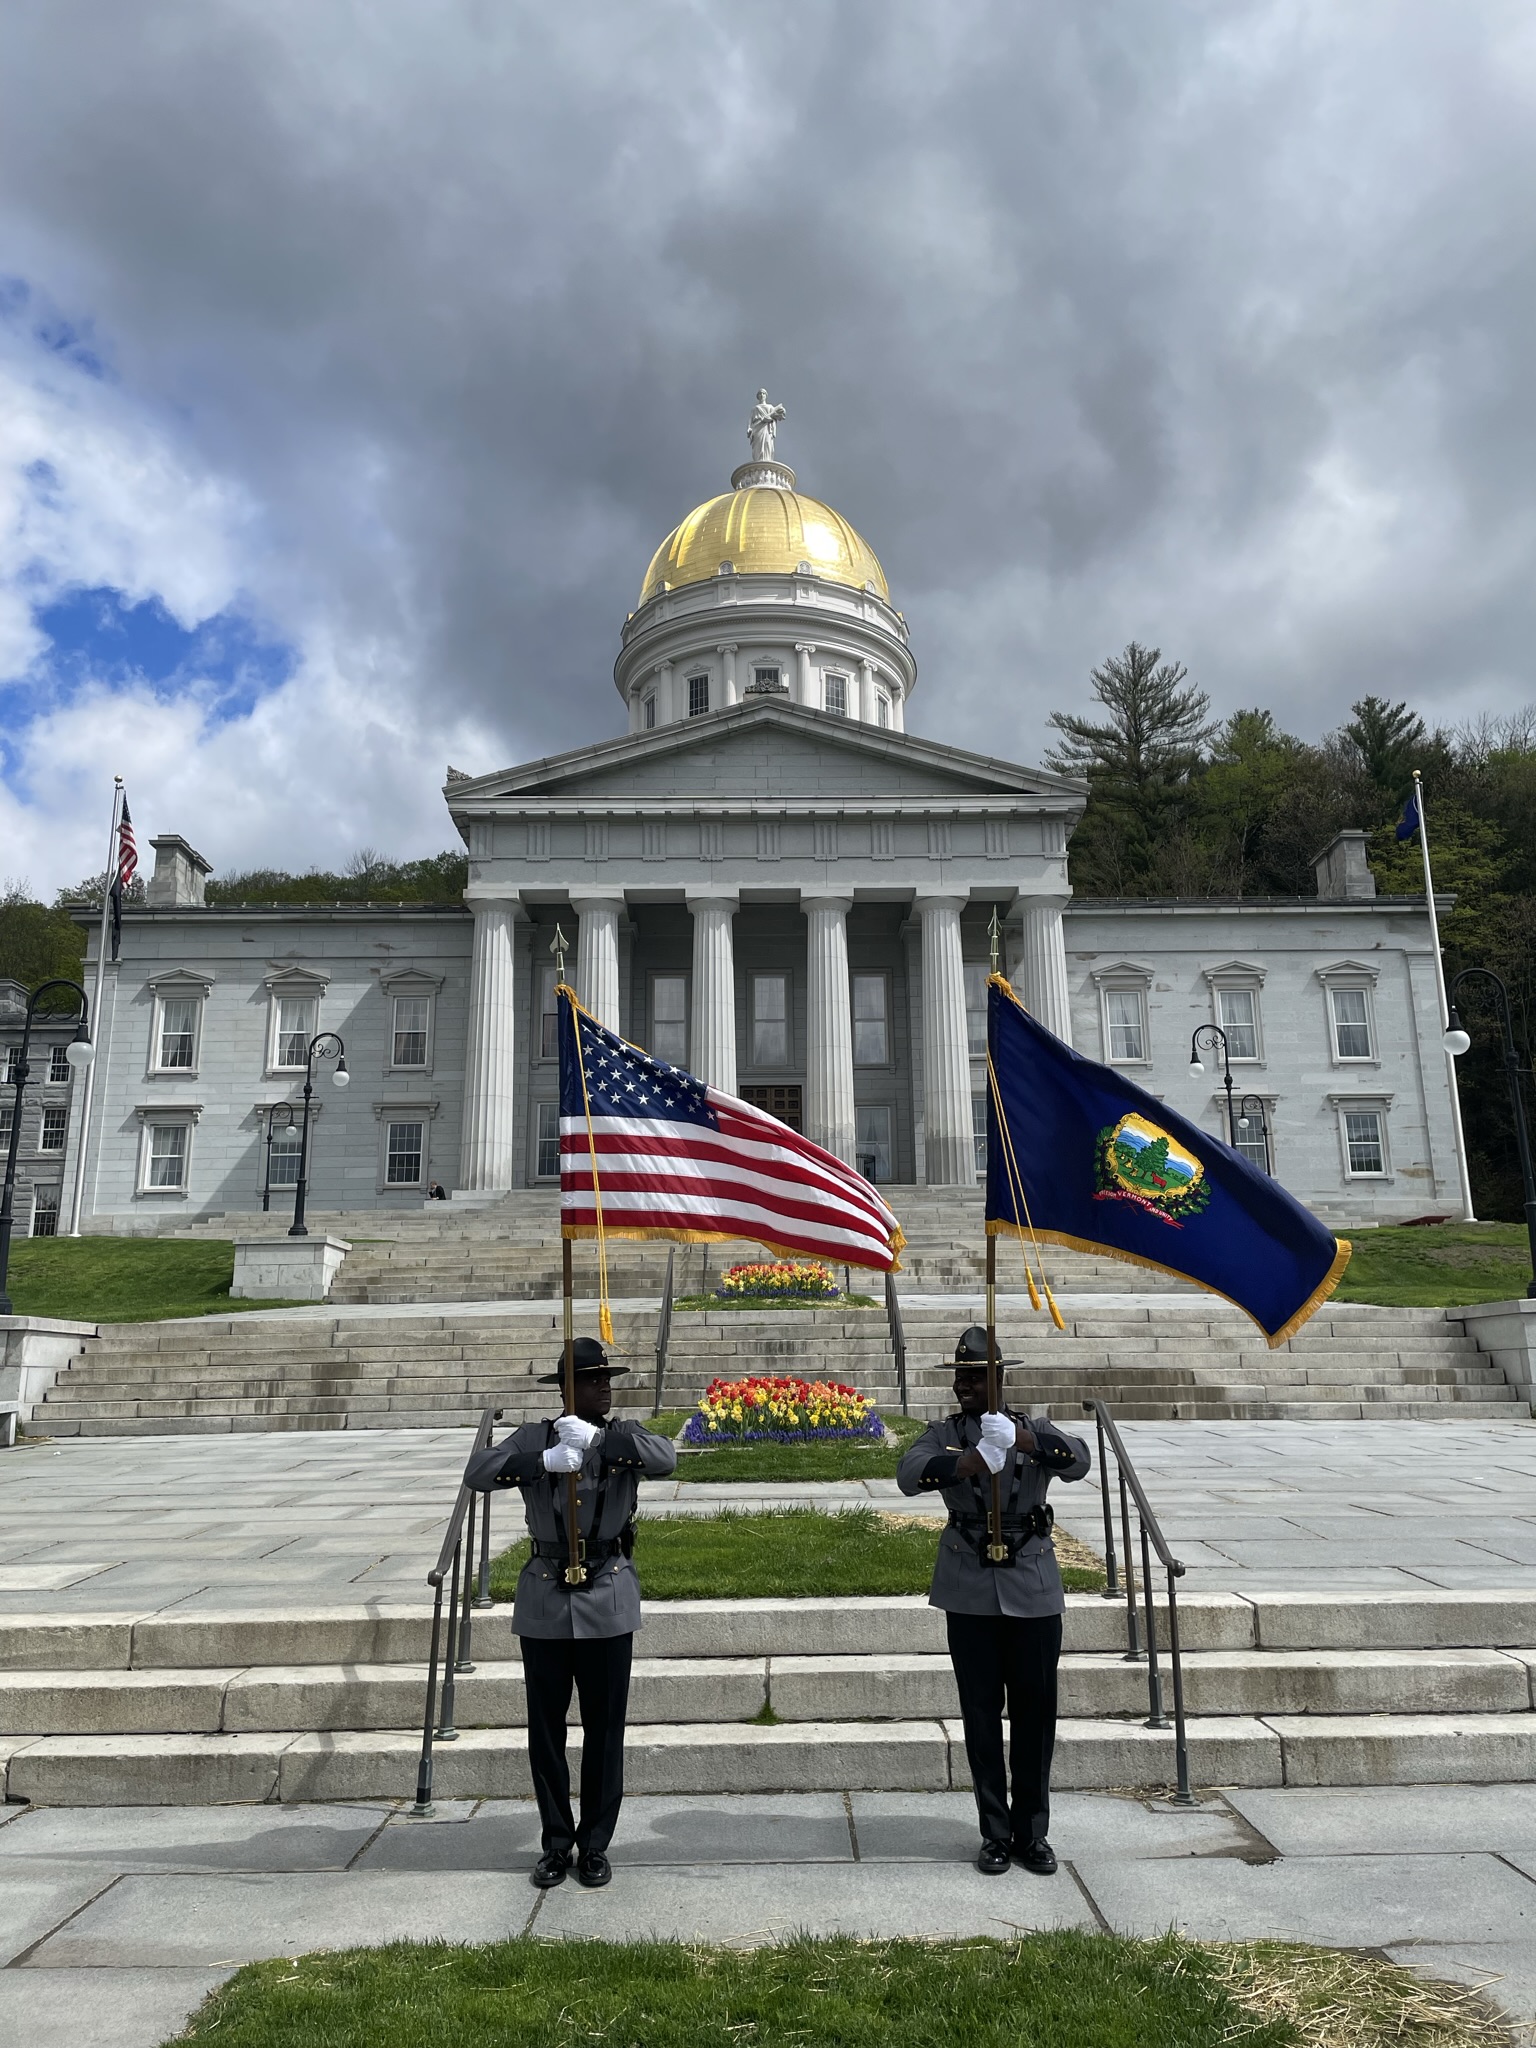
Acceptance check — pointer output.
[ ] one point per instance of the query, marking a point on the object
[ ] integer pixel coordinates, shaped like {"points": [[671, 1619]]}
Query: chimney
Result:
{"points": [[1342, 870], [179, 877]]}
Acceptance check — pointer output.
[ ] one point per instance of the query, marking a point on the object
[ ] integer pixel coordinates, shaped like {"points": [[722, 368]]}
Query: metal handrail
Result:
{"points": [[898, 1337], [456, 1561], [1152, 1538], [664, 1329]]}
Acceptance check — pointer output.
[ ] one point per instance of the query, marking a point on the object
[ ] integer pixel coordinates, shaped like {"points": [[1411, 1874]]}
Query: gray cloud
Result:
{"points": [[1206, 325]]}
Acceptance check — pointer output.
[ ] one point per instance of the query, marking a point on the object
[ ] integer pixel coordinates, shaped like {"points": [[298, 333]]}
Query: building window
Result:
{"points": [[698, 696], [871, 1044], [410, 1032], [294, 1030], [58, 1063], [837, 695], [45, 1212], [882, 709], [12, 1063], [7, 1115], [1237, 1012], [766, 679], [402, 1157], [770, 1020], [549, 1014], [669, 1019], [976, 972], [872, 1140], [166, 1156], [1125, 1026], [1252, 1138], [1351, 1023], [546, 1165], [55, 1125], [176, 1037], [979, 1133], [648, 711], [1365, 1144], [283, 1159]]}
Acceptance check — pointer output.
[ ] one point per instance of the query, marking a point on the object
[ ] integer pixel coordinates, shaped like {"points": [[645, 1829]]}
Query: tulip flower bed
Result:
{"points": [[780, 1411], [780, 1280]]}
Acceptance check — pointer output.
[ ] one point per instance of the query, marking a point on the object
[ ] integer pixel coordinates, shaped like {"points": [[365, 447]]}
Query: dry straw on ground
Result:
{"points": [[1346, 1998]]}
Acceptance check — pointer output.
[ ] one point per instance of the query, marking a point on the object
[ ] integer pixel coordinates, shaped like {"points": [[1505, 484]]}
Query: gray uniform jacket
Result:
{"points": [[962, 1584], [607, 1488]]}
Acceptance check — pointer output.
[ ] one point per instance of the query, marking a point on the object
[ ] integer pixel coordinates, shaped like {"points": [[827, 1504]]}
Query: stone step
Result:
{"points": [[681, 1690]]}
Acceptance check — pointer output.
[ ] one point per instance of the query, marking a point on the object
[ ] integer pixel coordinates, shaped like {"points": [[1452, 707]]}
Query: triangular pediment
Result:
{"points": [[765, 748]]}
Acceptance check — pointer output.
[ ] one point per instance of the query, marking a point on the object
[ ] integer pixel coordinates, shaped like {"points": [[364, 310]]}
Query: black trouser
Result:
{"points": [[600, 1670], [996, 1655]]}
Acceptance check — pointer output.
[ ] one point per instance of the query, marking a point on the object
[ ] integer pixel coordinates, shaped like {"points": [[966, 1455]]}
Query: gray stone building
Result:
{"points": [[767, 878]]}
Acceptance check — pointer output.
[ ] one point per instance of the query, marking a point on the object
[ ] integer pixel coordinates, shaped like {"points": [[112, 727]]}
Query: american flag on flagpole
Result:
{"points": [[124, 869], [648, 1150]]}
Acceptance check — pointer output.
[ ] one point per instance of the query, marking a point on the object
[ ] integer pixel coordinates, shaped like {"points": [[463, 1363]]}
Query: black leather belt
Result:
{"points": [[1016, 1532], [592, 1553]]}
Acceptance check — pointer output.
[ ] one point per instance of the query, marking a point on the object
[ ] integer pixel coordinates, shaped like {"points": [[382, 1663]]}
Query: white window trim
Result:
{"points": [[1259, 1095], [886, 1065], [410, 983], [697, 676], [150, 1114], [292, 981], [403, 1110], [180, 984], [537, 1179], [752, 1064], [51, 1080], [1248, 985], [43, 1151], [1113, 985], [1337, 1058], [828, 678], [52, 1187], [1378, 1105]]}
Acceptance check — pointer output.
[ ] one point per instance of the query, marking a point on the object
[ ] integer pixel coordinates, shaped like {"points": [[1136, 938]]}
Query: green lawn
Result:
{"points": [[1058, 1990], [734, 1304], [1437, 1265], [780, 1554], [125, 1279], [845, 1459]]}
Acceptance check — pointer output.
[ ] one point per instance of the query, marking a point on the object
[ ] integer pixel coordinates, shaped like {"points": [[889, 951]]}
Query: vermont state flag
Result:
{"points": [[1078, 1155]]}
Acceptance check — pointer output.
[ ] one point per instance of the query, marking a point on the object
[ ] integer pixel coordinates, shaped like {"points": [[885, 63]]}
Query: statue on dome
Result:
{"points": [[763, 426]]}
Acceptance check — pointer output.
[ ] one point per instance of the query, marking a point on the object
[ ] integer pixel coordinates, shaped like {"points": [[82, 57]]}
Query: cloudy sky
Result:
{"points": [[354, 358]]}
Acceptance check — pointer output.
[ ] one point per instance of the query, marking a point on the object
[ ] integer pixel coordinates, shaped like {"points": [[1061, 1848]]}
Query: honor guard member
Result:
{"points": [[577, 1634], [1004, 1619]]}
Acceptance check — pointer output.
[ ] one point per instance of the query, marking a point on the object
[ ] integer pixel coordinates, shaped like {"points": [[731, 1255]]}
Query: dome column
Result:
{"points": [[486, 1149], [712, 1036], [948, 1146], [665, 711], [727, 654], [804, 693], [867, 705], [829, 1026]]}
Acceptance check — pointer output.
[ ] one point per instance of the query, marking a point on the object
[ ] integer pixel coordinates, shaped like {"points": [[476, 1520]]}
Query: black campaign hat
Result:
{"points": [[588, 1357], [972, 1347]]}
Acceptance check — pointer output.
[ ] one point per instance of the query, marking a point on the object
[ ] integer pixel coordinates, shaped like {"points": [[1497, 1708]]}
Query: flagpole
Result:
{"points": [[88, 1084], [1468, 1213], [997, 1550]]}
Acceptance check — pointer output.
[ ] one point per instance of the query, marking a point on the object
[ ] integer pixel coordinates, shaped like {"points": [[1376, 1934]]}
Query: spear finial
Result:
{"points": [[994, 933], [557, 946]]}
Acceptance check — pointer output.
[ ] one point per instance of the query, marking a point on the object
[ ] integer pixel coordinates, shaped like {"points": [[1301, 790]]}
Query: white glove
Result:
{"points": [[578, 1434], [1000, 1430], [993, 1456], [562, 1458]]}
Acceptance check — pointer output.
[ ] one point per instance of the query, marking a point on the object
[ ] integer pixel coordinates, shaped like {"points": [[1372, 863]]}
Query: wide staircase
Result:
{"points": [[190, 1707]]}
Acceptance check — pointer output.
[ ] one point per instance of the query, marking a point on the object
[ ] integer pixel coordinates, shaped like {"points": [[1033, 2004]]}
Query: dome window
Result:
{"points": [[766, 682], [837, 695], [698, 696], [648, 710], [882, 708]]}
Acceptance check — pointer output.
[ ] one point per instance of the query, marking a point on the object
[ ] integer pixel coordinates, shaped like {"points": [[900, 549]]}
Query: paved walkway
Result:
{"points": [[115, 1924], [95, 1525]]}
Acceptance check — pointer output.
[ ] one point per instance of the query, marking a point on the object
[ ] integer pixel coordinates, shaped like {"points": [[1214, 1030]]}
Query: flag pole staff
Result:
{"points": [[575, 1570], [997, 1549], [1468, 1213], [88, 1083]]}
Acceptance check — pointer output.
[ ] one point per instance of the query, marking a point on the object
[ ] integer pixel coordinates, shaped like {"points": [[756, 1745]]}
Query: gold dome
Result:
{"points": [[763, 531]]}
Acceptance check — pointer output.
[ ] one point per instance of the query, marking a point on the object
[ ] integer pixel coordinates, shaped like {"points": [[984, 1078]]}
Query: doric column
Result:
{"points": [[1039, 966], [949, 1151], [829, 1026], [805, 692], [867, 705], [597, 955], [898, 707], [727, 654], [665, 709], [486, 1148], [712, 1039]]}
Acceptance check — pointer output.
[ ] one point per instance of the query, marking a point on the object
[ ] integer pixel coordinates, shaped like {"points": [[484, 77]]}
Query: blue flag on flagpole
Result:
{"points": [[1078, 1155], [1410, 821]]}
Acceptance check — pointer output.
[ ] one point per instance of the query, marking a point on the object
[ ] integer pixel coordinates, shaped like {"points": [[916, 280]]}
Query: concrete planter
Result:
{"points": [[34, 1350], [1506, 1330], [287, 1268]]}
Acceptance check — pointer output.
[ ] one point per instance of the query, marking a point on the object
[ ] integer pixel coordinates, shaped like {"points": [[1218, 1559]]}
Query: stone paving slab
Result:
{"points": [[189, 1838], [1409, 1819], [128, 2008], [939, 1827]]}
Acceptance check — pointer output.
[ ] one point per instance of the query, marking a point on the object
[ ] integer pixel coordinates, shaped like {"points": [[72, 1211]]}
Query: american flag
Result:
{"points": [[127, 866], [676, 1158]]}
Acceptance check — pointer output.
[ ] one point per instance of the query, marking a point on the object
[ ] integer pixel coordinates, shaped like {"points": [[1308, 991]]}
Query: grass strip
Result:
{"points": [[734, 1304], [781, 1554], [1064, 1989], [1437, 1265], [844, 1458], [126, 1279]]}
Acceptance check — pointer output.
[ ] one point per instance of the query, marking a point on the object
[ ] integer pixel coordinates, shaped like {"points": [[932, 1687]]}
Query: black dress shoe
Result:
{"points": [[992, 1859], [1037, 1856], [551, 1868], [593, 1869]]}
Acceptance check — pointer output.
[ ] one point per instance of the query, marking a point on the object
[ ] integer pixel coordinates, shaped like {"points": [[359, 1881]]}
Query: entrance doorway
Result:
{"points": [[782, 1102]]}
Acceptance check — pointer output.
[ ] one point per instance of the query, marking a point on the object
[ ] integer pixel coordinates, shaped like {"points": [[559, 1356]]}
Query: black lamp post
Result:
{"points": [[1213, 1036], [330, 1047], [1456, 1043], [80, 1054], [280, 1117], [1251, 1111]]}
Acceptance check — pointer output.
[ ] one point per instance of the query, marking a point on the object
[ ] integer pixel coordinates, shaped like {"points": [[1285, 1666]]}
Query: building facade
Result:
{"points": [[767, 877]]}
